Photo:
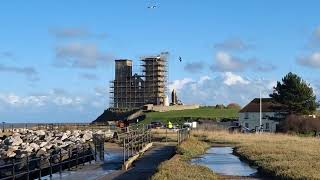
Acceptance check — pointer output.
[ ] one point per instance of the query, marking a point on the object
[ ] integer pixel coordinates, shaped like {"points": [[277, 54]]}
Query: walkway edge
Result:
{"points": [[130, 161]]}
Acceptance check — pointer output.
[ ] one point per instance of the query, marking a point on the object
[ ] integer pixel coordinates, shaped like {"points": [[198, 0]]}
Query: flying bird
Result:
{"points": [[180, 59], [152, 7]]}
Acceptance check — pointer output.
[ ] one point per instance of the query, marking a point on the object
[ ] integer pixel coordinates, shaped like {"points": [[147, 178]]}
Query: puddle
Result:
{"points": [[221, 161]]}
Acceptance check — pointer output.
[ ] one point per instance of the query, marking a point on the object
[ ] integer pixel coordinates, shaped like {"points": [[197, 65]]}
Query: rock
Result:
{"points": [[64, 136], [43, 144], [40, 133], [11, 153], [76, 133], [48, 146], [41, 152], [29, 149], [87, 136], [14, 147], [35, 146], [8, 141], [16, 140]]}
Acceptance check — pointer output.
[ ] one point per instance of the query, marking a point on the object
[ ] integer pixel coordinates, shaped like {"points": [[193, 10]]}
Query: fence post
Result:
{"points": [[40, 167], [60, 161], [124, 150], [50, 161], [69, 156], [13, 170], [77, 157], [28, 170]]}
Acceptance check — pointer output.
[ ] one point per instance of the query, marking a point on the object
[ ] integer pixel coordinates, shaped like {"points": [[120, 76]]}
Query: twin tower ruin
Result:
{"points": [[132, 91]]}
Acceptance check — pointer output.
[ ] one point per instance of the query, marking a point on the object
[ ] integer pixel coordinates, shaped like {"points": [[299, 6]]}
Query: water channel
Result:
{"points": [[221, 161]]}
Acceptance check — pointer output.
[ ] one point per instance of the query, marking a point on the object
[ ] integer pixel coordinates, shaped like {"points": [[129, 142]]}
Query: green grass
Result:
{"points": [[179, 168], [193, 114]]}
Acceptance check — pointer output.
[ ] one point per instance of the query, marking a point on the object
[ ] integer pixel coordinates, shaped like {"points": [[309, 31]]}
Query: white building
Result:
{"points": [[272, 113]]}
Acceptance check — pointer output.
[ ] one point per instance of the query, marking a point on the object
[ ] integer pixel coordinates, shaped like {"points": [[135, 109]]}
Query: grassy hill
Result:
{"points": [[194, 114]]}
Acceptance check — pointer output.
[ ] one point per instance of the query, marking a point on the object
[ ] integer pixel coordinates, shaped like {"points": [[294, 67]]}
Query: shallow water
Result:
{"points": [[223, 162], [96, 170]]}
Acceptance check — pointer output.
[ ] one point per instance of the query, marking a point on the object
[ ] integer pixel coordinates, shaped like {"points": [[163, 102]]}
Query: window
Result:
{"points": [[267, 126], [246, 125], [246, 115]]}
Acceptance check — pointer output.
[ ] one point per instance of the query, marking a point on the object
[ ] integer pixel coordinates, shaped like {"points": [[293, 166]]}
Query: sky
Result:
{"points": [[57, 57]]}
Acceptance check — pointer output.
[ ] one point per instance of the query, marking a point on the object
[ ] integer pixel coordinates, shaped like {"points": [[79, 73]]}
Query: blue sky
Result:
{"points": [[56, 57]]}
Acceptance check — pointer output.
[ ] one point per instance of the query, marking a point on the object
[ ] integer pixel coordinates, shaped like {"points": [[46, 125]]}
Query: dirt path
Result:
{"points": [[145, 167]]}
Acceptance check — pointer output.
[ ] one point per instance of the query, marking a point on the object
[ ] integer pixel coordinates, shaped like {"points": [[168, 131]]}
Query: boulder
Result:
{"points": [[29, 149], [40, 133], [41, 152], [87, 136], [35, 146], [10, 153], [64, 137], [43, 144]]}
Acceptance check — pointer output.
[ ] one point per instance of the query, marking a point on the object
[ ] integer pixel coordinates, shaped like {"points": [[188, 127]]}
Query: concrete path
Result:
{"points": [[145, 167]]}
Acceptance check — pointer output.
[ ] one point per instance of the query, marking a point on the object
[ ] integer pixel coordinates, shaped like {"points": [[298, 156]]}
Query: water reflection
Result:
{"points": [[223, 162]]}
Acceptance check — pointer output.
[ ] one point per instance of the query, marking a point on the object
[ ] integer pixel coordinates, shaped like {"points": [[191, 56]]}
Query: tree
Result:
{"points": [[295, 94]]}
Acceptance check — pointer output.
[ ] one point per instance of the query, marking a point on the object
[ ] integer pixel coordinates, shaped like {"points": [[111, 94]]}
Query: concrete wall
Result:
{"points": [[253, 120], [174, 108]]}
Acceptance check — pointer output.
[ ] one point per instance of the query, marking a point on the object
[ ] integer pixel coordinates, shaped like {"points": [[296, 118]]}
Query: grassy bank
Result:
{"points": [[283, 156], [201, 113], [178, 168]]}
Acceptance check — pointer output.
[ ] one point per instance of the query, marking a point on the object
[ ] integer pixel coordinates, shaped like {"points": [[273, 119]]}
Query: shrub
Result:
{"points": [[300, 124]]}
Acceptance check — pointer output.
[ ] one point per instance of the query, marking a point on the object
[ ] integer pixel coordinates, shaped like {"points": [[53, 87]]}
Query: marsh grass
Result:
{"points": [[283, 156], [178, 168]]}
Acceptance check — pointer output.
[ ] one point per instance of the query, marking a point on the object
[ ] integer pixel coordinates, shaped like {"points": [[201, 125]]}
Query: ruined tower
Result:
{"points": [[129, 91]]}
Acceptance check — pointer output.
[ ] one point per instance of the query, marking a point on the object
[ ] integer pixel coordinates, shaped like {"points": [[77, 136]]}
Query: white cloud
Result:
{"points": [[224, 88], [179, 84], [233, 79], [225, 62], [311, 61]]}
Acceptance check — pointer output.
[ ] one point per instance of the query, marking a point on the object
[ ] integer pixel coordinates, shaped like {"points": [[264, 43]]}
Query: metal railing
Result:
{"points": [[134, 141], [37, 167], [182, 135]]}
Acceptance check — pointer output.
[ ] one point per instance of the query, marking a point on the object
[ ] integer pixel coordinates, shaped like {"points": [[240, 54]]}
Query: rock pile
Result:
{"points": [[41, 143]]}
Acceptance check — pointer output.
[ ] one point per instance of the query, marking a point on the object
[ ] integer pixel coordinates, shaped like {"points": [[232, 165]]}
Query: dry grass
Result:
{"points": [[283, 156], [178, 168]]}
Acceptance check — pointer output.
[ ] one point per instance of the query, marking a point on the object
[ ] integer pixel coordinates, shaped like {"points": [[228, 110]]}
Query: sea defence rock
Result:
{"points": [[45, 146], [38, 143]]}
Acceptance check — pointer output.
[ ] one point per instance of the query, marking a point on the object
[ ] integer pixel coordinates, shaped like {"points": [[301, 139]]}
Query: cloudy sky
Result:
{"points": [[57, 57]]}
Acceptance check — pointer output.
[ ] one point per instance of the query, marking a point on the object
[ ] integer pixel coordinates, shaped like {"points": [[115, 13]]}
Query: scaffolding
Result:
{"points": [[129, 91]]}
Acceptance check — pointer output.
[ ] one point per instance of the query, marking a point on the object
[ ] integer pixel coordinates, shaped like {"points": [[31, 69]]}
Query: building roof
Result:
{"points": [[267, 106]]}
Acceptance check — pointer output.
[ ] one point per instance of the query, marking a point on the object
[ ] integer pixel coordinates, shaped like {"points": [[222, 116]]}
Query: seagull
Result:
{"points": [[180, 59], [152, 7]]}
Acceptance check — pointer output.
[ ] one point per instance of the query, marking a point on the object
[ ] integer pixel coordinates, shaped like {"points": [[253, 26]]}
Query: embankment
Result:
{"points": [[277, 155], [178, 167]]}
